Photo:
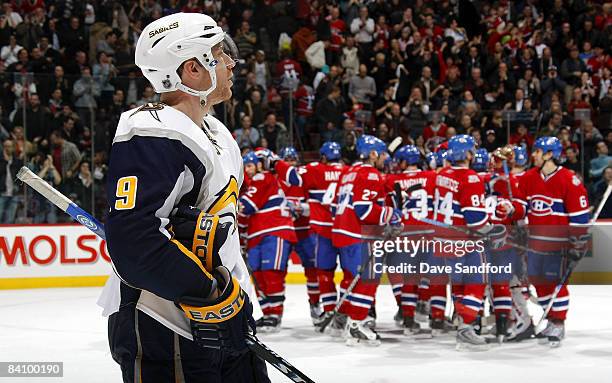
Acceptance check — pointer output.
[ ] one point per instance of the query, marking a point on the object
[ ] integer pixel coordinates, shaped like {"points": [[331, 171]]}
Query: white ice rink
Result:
{"points": [[65, 325]]}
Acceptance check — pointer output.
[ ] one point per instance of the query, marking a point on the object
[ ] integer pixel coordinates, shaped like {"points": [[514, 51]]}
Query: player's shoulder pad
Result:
{"points": [[155, 120]]}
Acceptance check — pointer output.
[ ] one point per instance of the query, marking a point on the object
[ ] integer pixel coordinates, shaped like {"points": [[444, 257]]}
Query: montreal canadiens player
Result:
{"points": [[503, 209], [416, 205], [181, 290], [459, 201], [270, 235], [360, 198], [300, 212], [557, 213], [319, 181]]}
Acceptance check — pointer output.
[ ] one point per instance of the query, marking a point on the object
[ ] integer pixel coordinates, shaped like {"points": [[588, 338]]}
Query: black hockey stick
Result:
{"points": [[90, 222]]}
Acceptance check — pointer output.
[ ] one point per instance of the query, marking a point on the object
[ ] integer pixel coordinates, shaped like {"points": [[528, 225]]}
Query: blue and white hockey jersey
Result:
{"points": [[160, 159]]}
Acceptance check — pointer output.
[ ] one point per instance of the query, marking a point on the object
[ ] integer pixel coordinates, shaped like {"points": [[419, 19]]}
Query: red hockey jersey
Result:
{"points": [[360, 198], [296, 196], [420, 201], [554, 203], [319, 181], [264, 202], [459, 200]]}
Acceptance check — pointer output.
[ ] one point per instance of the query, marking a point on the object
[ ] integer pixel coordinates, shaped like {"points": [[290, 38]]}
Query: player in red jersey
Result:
{"points": [[557, 213], [459, 201], [501, 190], [270, 234], [416, 204], [520, 161], [360, 198], [300, 211], [319, 181]]}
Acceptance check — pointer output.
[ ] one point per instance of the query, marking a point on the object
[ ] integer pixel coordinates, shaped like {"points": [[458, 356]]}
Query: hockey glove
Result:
{"points": [[504, 208], [495, 235], [222, 322], [579, 245], [201, 233]]}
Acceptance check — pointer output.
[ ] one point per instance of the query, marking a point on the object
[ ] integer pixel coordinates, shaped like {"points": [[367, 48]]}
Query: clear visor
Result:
{"points": [[230, 51]]}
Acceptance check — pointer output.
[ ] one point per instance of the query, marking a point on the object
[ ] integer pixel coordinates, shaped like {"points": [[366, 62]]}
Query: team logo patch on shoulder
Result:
{"points": [[576, 180], [258, 177], [373, 177], [473, 178]]}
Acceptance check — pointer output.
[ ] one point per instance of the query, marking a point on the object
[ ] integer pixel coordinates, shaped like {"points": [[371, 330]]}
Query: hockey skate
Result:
{"points": [[467, 339], [413, 329], [422, 311], [441, 326], [268, 324], [316, 313], [357, 332], [370, 320], [522, 329], [553, 334], [397, 318], [500, 329], [337, 325]]}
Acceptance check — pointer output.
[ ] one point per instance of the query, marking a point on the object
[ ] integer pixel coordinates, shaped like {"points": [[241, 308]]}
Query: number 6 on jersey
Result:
{"points": [[126, 193]]}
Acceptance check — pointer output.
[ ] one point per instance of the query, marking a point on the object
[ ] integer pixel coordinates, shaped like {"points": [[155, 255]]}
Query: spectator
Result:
{"points": [[9, 52], [349, 149], [571, 160], [522, 137], [350, 57], [107, 45], [148, 96], [246, 135], [572, 68], [261, 68], [73, 38], [328, 113], [363, 29], [44, 210], [104, 72], [10, 197], [601, 162], [75, 67], [82, 184], [362, 87], [436, 128], [66, 156], [246, 40], [36, 119], [274, 132], [416, 111], [85, 91], [599, 189]]}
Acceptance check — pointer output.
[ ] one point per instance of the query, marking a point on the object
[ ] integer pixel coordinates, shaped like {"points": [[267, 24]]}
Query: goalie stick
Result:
{"points": [[90, 222]]}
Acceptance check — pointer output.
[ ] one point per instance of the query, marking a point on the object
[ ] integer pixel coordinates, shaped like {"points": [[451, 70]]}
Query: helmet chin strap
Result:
{"points": [[545, 161], [202, 94]]}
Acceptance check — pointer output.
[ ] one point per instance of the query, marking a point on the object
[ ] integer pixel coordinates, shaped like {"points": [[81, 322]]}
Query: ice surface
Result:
{"points": [[65, 325]]}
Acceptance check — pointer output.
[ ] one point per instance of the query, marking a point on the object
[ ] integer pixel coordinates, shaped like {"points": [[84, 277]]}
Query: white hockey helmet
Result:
{"points": [[168, 42]]}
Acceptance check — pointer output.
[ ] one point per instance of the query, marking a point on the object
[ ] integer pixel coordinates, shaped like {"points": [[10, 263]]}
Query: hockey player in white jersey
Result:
{"points": [[180, 311]]}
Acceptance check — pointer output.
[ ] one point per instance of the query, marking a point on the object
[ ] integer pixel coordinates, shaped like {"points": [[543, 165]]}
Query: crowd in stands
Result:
{"points": [[504, 72]]}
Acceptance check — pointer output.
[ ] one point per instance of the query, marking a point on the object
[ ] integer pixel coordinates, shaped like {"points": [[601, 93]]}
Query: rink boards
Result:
{"points": [[69, 255]]}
